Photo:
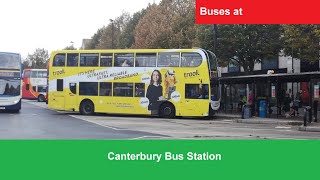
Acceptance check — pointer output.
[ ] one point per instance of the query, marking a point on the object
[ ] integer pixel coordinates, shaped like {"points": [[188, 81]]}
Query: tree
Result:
{"points": [[243, 45], [126, 37], [110, 36], [71, 47], [167, 25], [95, 39], [183, 27], [38, 59], [153, 30], [26, 64], [302, 41]]}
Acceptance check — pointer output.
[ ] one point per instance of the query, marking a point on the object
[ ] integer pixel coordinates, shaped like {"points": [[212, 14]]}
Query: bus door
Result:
{"points": [[71, 97], [57, 98], [196, 100]]}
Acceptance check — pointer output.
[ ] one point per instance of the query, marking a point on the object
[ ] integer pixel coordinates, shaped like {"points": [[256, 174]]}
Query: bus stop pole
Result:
{"points": [[310, 100]]}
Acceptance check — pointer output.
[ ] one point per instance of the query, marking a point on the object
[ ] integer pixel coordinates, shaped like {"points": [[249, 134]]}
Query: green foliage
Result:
{"points": [[71, 47], [26, 64], [38, 59], [109, 38], [302, 41], [152, 31], [95, 39], [167, 25], [171, 25], [126, 37], [243, 45], [183, 27]]}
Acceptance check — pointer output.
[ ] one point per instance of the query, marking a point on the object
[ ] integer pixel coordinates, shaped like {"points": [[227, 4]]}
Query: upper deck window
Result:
{"points": [[38, 74], [106, 60], [123, 60], [169, 59], [146, 59], [10, 61], [89, 60], [59, 60], [26, 74], [190, 59], [72, 60]]}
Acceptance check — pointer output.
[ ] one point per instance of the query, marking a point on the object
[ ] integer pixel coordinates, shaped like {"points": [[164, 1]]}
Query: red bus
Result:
{"points": [[34, 84]]}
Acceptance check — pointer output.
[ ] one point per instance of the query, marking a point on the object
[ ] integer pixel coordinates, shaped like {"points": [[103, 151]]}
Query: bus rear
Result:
{"points": [[215, 87], [10, 81], [34, 84]]}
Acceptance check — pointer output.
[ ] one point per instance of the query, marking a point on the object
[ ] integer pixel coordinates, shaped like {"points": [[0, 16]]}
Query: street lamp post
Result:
{"points": [[215, 37], [111, 20]]}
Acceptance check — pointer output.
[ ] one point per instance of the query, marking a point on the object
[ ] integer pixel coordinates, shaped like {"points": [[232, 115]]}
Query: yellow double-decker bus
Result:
{"points": [[162, 82]]}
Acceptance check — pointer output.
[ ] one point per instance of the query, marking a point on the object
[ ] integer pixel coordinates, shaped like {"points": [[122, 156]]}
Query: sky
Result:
{"points": [[53, 24]]}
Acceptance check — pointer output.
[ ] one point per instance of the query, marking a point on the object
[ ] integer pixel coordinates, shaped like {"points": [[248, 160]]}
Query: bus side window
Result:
{"points": [[59, 84], [106, 60], [105, 89], [123, 59], [73, 88], [89, 60], [197, 91], [169, 59], [146, 59], [59, 60], [88, 88], [26, 74], [190, 59], [204, 91], [72, 60], [192, 91], [139, 90]]}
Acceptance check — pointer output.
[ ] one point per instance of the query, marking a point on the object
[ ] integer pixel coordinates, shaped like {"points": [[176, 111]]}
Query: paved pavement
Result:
{"points": [[312, 127]]}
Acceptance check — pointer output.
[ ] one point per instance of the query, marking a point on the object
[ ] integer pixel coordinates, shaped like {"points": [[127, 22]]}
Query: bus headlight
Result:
{"points": [[16, 101]]}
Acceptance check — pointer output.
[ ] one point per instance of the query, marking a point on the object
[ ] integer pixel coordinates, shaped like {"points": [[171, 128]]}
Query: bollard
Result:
{"points": [[307, 115], [242, 112], [310, 114], [315, 110]]}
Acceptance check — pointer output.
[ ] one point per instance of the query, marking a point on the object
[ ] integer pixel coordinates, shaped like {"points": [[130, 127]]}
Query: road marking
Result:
{"points": [[84, 119], [283, 127], [142, 137]]}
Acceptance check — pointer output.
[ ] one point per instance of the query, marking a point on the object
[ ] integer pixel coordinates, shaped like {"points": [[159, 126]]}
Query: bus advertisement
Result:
{"points": [[10, 81], [161, 82], [34, 84]]}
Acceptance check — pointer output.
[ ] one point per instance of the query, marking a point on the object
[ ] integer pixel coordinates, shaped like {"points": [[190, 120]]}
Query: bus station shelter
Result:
{"points": [[301, 87]]}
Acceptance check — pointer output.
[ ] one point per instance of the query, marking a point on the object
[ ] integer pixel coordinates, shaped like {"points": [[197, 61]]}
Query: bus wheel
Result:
{"points": [[167, 110], [15, 111], [86, 108], [41, 98], [211, 111]]}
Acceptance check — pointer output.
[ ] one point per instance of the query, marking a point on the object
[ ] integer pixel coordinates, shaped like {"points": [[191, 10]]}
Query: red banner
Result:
{"points": [[257, 12]]}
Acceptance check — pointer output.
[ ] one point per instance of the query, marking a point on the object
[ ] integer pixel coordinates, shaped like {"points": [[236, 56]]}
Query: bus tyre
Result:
{"points": [[211, 112], [15, 111], [41, 98], [86, 108], [167, 110]]}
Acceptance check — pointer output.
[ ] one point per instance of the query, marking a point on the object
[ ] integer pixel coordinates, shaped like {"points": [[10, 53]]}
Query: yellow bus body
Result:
{"points": [[65, 93]]}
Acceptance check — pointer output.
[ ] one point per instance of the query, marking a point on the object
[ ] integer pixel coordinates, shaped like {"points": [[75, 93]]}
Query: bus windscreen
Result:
{"points": [[10, 61], [9, 87]]}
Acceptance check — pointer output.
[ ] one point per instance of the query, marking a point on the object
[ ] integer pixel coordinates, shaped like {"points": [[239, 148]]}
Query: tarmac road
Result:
{"points": [[38, 122]]}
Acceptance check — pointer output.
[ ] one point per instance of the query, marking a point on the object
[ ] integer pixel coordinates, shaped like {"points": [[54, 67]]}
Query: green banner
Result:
{"points": [[159, 159]]}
